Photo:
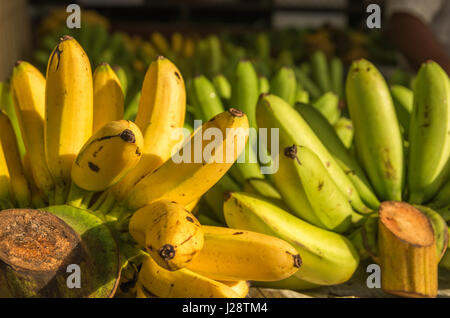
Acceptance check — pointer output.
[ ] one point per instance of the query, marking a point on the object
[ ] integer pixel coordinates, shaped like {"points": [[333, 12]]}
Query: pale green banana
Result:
{"points": [[442, 198], [205, 97], [302, 96], [244, 96], [320, 71], [263, 84], [274, 112], [328, 105], [329, 204], [345, 131], [403, 102], [223, 86], [308, 84], [378, 138], [429, 137], [284, 85], [331, 141], [328, 258], [337, 76]]}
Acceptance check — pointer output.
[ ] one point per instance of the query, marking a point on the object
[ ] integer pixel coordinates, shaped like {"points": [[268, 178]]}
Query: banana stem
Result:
{"points": [[76, 195], [51, 197], [60, 195], [108, 204], [99, 201], [86, 200], [119, 212]]}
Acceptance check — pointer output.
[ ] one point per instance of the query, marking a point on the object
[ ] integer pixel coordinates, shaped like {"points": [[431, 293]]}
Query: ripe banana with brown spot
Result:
{"points": [[108, 97], [28, 90], [182, 283], [19, 184], [69, 110], [161, 113], [231, 254], [107, 156], [170, 234], [197, 166], [6, 201]]}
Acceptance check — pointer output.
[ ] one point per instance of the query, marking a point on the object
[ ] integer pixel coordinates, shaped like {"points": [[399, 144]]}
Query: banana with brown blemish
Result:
{"points": [[169, 233], [107, 156]]}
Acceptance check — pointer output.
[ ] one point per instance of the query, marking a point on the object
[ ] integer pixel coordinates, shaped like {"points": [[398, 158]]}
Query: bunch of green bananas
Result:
{"points": [[324, 184]]}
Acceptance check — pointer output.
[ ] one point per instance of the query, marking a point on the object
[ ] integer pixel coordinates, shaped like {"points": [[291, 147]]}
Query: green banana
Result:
{"points": [[262, 187], [308, 84], [328, 258], [223, 86], [344, 129], [302, 96], [337, 76], [244, 95], [429, 138], [442, 198], [328, 203], [378, 139], [320, 71], [214, 196], [284, 85], [205, 97], [263, 84], [331, 141], [403, 102], [328, 105], [273, 112]]}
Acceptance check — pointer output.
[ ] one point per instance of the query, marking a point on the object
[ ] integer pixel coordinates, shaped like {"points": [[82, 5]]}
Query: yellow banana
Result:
{"points": [[177, 42], [188, 47], [241, 287], [198, 165], [107, 156], [108, 97], [69, 110], [160, 42], [19, 184], [182, 283], [170, 233], [191, 206], [38, 199], [28, 89], [162, 108], [231, 254], [5, 187]]}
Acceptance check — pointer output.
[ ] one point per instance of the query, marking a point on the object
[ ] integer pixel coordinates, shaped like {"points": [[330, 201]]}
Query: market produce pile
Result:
{"points": [[363, 172]]}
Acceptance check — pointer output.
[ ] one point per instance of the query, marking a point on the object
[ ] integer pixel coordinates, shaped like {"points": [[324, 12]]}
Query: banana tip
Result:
{"points": [[297, 261], [236, 112], [227, 196], [65, 38], [291, 151]]}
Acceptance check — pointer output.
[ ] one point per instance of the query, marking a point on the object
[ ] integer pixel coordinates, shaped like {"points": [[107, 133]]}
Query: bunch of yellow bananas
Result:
{"points": [[79, 152]]}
